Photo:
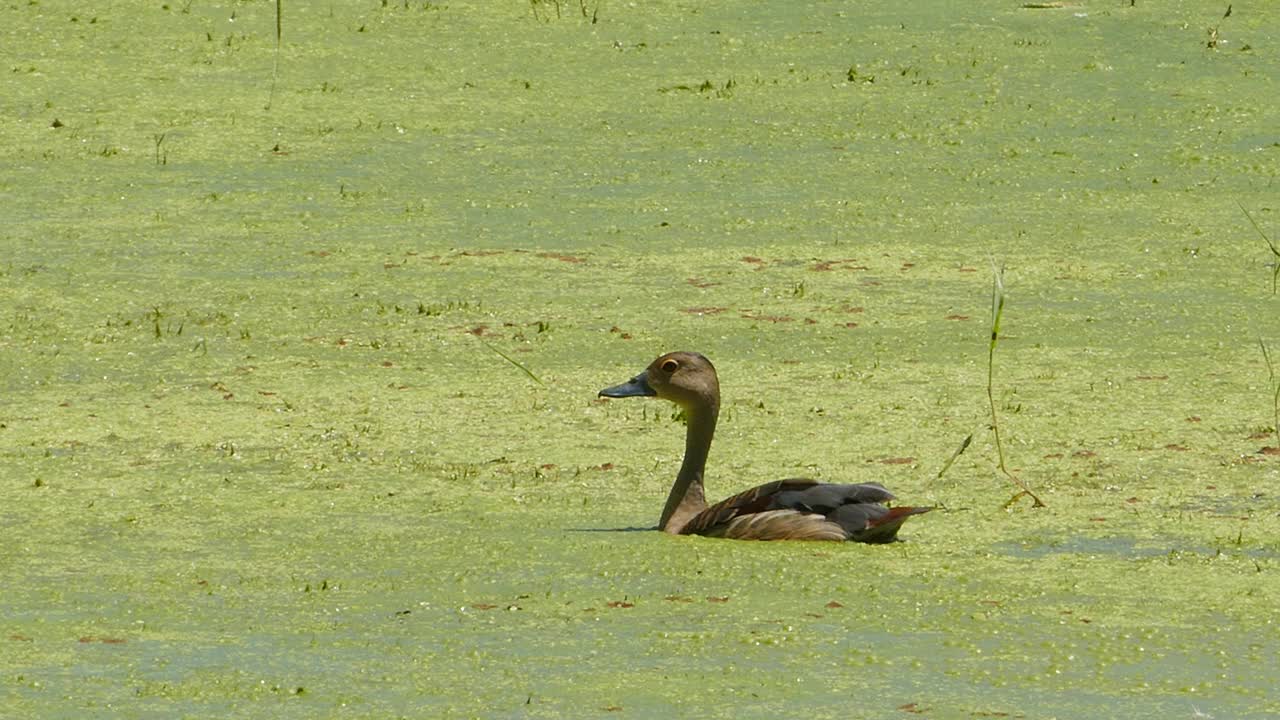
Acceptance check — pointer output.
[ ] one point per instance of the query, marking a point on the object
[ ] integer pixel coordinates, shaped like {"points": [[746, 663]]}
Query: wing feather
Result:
{"points": [[747, 502], [803, 509]]}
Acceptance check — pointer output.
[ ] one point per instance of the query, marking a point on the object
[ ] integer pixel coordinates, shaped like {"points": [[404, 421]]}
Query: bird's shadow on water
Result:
{"points": [[613, 530]]}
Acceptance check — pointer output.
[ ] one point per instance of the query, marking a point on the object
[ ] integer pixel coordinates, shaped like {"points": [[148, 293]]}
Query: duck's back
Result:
{"points": [[802, 509]]}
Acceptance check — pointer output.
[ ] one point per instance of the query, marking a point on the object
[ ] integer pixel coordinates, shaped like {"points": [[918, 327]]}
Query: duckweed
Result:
{"points": [[261, 459]]}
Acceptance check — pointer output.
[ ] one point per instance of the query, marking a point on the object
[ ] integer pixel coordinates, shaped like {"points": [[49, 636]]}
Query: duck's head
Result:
{"points": [[687, 379]]}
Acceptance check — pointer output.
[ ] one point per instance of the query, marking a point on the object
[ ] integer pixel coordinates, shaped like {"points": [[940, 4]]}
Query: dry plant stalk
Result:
{"points": [[997, 310]]}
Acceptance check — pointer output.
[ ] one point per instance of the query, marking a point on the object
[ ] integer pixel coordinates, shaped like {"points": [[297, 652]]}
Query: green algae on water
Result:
{"points": [[257, 463]]}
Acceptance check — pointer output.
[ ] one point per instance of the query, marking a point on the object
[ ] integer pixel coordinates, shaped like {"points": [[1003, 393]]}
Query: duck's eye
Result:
{"points": [[669, 366]]}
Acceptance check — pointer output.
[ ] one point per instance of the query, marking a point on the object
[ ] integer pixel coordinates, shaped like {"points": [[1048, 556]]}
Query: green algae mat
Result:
{"points": [[298, 376]]}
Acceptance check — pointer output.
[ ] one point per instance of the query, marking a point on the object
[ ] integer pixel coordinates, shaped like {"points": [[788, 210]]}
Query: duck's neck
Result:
{"points": [[687, 498]]}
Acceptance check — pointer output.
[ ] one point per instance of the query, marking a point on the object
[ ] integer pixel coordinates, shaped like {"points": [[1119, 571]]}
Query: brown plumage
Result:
{"points": [[796, 509]]}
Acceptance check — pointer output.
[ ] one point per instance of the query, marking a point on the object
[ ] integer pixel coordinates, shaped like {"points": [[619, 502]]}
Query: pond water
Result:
{"points": [[298, 406]]}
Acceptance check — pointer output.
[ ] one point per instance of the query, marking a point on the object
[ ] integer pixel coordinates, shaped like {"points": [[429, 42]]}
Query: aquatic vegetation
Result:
{"points": [[271, 444]]}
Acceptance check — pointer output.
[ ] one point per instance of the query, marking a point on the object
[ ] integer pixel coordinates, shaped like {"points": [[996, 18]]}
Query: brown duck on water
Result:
{"points": [[796, 509]]}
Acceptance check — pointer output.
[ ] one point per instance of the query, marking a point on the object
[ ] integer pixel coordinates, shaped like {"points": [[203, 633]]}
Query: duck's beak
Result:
{"points": [[637, 386]]}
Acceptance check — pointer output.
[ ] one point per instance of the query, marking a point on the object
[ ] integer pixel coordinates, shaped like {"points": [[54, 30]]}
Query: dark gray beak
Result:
{"points": [[637, 386]]}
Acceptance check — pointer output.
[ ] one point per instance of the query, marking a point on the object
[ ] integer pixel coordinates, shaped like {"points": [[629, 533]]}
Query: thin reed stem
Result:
{"points": [[997, 311], [1275, 266], [1275, 391], [511, 360], [275, 61]]}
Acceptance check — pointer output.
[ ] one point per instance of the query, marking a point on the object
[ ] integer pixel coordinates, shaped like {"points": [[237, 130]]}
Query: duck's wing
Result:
{"points": [[875, 524], [824, 498], [800, 509], [715, 519]]}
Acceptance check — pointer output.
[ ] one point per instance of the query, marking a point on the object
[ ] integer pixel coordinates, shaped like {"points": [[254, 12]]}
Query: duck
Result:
{"points": [[791, 509]]}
